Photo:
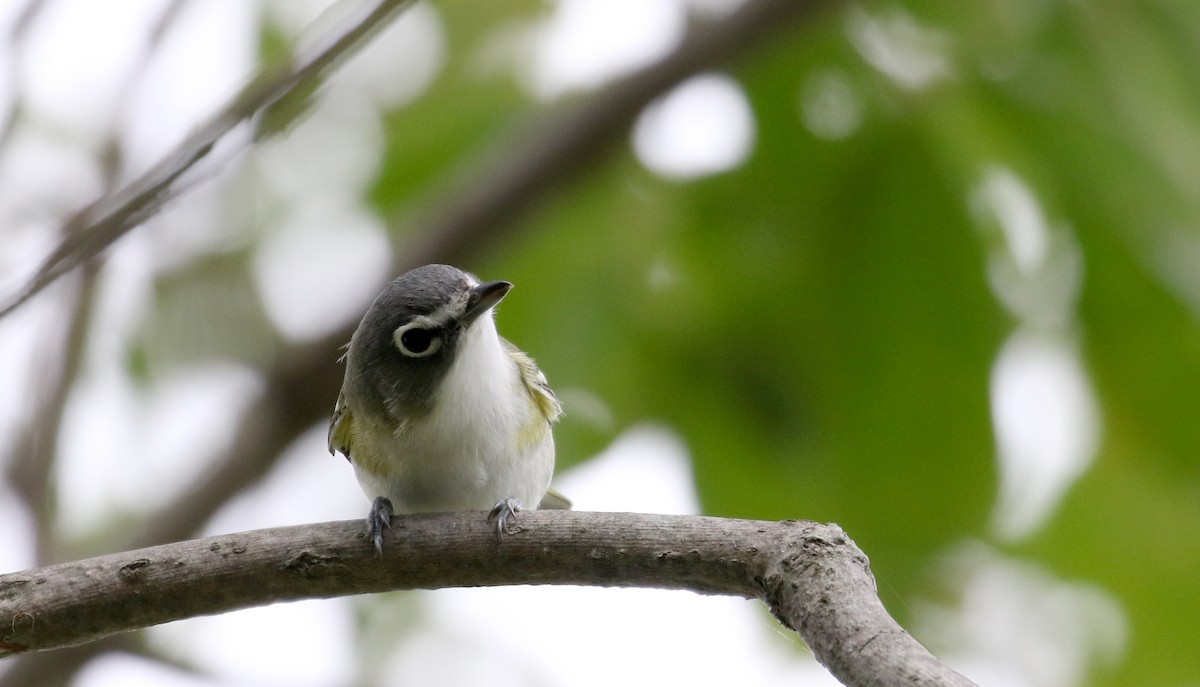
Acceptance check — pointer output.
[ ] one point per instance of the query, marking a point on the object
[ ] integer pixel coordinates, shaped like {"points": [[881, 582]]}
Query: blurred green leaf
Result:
{"points": [[818, 323], [819, 326]]}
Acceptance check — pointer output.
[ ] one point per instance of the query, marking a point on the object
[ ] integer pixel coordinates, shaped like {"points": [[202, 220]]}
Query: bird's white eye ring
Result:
{"points": [[416, 341]]}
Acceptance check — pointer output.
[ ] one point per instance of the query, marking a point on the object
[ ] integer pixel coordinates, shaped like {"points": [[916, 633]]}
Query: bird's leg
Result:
{"points": [[379, 519], [502, 511]]}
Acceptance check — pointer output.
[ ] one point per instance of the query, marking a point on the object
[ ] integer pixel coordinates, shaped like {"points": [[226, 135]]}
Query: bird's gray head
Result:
{"points": [[408, 339]]}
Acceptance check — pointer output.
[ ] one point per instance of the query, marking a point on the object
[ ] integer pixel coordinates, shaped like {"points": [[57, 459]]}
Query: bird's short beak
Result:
{"points": [[482, 298]]}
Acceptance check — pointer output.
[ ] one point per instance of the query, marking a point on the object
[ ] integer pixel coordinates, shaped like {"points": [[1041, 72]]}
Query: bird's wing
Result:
{"points": [[535, 382], [340, 428]]}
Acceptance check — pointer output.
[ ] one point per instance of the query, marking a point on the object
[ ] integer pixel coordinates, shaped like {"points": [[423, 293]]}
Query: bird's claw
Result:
{"points": [[378, 520], [502, 511]]}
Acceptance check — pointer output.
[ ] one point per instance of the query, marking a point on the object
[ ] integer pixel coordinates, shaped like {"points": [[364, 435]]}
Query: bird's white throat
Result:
{"points": [[478, 400]]}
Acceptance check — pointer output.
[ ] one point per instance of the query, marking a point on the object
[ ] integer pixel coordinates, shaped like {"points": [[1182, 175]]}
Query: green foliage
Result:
{"points": [[819, 323]]}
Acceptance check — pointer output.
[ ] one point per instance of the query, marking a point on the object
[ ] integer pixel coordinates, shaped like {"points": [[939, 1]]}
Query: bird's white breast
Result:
{"points": [[483, 441]]}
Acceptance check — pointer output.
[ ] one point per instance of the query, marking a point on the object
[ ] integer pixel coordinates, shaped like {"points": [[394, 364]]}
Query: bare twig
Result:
{"points": [[96, 227], [813, 578]]}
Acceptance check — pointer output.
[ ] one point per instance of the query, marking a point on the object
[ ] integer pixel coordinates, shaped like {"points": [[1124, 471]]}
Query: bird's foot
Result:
{"points": [[502, 511], [378, 520]]}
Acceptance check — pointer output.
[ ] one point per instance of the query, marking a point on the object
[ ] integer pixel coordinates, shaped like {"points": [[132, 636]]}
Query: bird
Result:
{"points": [[438, 412]]}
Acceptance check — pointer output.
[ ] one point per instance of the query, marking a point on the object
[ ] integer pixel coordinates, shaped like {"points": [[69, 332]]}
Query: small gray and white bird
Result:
{"points": [[438, 412]]}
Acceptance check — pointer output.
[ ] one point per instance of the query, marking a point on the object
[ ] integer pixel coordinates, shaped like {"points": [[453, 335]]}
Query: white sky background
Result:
{"points": [[86, 73]]}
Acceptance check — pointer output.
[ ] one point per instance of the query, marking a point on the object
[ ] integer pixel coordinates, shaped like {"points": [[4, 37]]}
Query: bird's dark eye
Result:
{"points": [[416, 341]]}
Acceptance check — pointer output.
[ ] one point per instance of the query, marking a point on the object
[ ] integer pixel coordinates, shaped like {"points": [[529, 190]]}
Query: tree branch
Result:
{"points": [[97, 226], [813, 578]]}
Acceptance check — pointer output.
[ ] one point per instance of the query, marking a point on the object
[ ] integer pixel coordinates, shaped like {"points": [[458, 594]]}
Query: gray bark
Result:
{"points": [[812, 577]]}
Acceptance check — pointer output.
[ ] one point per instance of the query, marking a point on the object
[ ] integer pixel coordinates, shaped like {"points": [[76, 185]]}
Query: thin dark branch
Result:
{"points": [[96, 227], [811, 576]]}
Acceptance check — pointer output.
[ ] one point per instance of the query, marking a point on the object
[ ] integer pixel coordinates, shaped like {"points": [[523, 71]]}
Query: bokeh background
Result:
{"points": [[927, 270]]}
